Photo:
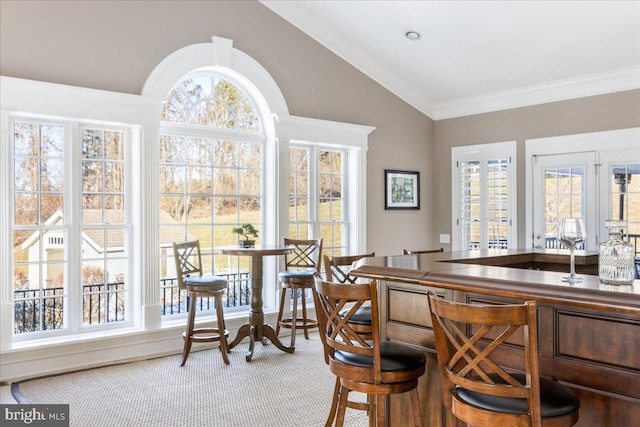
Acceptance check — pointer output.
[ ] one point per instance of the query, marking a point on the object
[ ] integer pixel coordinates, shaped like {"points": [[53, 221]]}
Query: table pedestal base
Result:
{"points": [[257, 330]]}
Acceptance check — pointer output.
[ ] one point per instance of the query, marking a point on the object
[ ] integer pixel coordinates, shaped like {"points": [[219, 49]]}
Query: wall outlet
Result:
{"points": [[445, 238]]}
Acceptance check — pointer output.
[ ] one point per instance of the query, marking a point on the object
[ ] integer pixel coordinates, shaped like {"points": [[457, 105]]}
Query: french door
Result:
{"points": [[619, 182], [564, 185]]}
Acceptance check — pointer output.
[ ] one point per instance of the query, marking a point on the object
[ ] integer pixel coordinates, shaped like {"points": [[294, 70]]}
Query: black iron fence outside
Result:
{"points": [[42, 309], [553, 243], [37, 309], [634, 239], [175, 301]]}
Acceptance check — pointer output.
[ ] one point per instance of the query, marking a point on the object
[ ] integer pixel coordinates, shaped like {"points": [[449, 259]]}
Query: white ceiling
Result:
{"points": [[479, 56]]}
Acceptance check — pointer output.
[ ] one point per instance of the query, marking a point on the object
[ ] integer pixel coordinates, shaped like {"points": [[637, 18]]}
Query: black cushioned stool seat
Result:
{"points": [[393, 357], [299, 274], [361, 317], [556, 400]]}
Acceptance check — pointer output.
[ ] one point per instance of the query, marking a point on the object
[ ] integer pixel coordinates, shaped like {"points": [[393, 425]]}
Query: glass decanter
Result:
{"points": [[615, 256]]}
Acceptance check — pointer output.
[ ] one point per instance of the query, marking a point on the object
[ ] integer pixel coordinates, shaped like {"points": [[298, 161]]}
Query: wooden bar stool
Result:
{"points": [[189, 271], [338, 269], [300, 266], [376, 368], [479, 389]]}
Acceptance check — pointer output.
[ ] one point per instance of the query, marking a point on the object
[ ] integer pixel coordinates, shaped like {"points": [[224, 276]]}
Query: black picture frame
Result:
{"points": [[401, 189]]}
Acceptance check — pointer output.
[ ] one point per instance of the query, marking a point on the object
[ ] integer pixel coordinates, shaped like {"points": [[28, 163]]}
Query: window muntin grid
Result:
{"points": [[299, 193], [497, 204], [211, 181], [331, 215], [39, 260], [104, 247], [483, 196], [208, 100], [317, 198], [45, 298], [563, 197]]}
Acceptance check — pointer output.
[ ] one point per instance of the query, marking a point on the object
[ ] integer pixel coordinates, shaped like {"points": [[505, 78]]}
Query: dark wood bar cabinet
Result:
{"points": [[589, 333]]}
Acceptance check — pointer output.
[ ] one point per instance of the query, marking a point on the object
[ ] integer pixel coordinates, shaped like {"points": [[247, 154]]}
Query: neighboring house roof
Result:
{"points": [[115, 237], [52, 220]]}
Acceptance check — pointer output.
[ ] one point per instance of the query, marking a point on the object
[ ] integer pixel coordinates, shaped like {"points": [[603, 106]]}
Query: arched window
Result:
{"points": [[209, 100], [211, 179], [209, 140], [224, 138]]}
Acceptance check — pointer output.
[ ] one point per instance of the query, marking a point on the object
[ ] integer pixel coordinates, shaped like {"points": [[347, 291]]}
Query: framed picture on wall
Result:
{"points": [[402, 189]]}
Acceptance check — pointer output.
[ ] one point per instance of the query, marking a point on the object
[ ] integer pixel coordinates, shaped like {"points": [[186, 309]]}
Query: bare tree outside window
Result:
{"points": [[38, 156], [210, 178]]}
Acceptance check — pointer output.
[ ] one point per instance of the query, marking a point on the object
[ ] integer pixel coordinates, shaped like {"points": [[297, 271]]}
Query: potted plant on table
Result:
{"points": [[246, 230]]}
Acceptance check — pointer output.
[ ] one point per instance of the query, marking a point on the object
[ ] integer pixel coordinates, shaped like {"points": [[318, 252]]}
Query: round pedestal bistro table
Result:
{"points": [[256, 329]]}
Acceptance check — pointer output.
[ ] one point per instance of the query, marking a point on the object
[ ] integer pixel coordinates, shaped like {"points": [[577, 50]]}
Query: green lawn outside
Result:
{"points": [[223, 236]]}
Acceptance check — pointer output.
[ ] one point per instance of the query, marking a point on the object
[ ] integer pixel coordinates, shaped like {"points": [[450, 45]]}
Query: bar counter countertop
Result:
{"points": [[589, 333]]}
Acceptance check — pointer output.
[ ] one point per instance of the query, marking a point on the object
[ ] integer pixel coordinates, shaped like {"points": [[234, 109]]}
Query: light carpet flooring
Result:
{"points": [[275, 389]]}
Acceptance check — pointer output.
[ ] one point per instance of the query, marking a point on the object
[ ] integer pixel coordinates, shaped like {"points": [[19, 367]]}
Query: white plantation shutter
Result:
{"points": [[497, 221], [483, 199], [470, 204]]}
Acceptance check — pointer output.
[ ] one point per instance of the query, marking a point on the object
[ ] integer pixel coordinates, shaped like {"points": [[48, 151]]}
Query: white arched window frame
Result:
{"points": [[248, 137], [220, 57], [146, 335]]}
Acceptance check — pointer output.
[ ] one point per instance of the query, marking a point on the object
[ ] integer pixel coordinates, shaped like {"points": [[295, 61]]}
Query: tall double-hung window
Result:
{"points": [[211, 180], [317, 196], [70, 224], [484, 196]]}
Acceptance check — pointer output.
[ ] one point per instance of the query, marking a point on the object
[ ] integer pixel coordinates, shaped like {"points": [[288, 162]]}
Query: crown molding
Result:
{"points": [[300, 17], [560, 90]]}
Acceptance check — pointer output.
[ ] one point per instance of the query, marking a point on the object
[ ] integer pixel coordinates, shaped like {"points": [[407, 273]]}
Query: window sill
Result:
{"points": [[104, 334]]}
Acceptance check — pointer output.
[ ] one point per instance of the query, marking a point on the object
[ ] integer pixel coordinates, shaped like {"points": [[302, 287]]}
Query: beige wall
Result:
{"points": [[592, 114], [115, 45]]}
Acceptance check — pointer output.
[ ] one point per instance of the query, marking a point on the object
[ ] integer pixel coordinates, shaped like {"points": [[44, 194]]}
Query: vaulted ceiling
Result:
{"points": [[479, 56]]}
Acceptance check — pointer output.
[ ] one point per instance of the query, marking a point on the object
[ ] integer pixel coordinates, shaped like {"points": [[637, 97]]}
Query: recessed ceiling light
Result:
{"points": [[413, 35]]}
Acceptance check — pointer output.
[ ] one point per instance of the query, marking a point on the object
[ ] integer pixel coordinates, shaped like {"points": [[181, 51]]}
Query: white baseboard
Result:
{"points": [[49, 359]]}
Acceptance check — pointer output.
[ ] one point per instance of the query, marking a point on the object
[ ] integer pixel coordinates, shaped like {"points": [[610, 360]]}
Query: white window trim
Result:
{"points": [[142, 114], [26, 99], [509, 148], [222, 58], [293, 129], [237, 135], [606, 160], [73, 319], [313, 187]]}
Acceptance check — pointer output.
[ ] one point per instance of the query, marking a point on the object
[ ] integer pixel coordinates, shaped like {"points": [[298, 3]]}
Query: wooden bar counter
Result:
{"points": [[589, 333]]}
